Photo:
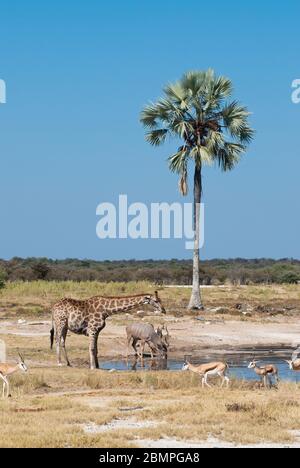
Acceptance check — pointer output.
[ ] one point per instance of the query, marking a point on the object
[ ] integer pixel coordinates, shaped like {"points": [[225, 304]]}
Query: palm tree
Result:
{"points": [[211, 129]]}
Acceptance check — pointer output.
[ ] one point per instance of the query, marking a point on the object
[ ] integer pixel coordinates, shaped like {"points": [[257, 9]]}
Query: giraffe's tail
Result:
{"points": [[52, 334]]}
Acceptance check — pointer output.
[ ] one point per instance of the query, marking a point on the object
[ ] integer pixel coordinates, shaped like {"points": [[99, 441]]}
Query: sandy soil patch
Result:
{"points": [[25, 328], [117, 424], [212, 442], [187, 335]]}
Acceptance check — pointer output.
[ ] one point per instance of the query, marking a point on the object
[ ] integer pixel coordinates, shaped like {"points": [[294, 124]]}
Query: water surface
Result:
{"points": [[238, 363]]}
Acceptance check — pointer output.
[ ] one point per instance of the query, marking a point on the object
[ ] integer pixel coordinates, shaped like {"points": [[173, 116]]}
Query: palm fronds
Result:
{"points": [[195, 110]]}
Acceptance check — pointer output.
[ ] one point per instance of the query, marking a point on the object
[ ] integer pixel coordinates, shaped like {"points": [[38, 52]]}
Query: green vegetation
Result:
{"points": [[212, 129], [2, 279], [212, 272]]}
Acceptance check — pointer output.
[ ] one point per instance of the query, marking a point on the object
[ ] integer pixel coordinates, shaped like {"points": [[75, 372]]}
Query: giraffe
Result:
{"points": [[88, 317]]}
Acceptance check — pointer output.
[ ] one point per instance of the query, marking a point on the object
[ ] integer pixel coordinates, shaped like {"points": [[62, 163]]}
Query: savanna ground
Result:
{"points": [[76, 407]]}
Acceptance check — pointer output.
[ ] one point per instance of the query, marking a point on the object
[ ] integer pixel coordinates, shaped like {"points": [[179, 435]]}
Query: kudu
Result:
{"points": [[145, 333]]}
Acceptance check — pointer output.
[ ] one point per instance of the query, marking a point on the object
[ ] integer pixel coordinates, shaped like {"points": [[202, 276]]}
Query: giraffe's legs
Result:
{"points": [[96, 352], [61, 328], [93, 350], [63, 344], [58, 353]]}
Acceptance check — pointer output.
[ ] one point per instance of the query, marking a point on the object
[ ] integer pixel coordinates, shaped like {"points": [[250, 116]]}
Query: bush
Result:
{"points": [[40, 270], [2, 279], [290, 278], [161, 272]]}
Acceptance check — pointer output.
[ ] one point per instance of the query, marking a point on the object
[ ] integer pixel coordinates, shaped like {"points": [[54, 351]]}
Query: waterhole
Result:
{"points": [[238, 363]]}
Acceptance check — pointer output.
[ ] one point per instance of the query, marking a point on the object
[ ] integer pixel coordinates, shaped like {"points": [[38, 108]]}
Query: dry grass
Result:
{"points": [[39, 416], [36, 298], [50, 406]]}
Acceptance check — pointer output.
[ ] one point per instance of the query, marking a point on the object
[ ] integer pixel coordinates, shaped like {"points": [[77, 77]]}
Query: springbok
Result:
{"points": [[211, 368], [294, 364], [265, 372], [7, 370]]}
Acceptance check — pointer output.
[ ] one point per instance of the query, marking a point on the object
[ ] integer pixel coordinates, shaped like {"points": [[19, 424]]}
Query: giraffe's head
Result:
{"points": [[155, 302]]}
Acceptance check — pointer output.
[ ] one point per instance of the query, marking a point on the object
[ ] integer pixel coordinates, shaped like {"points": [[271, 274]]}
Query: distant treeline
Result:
{"points": [[236, 271]]}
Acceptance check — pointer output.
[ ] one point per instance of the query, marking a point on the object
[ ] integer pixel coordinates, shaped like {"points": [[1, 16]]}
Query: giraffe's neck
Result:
{"points": [[113, 305], [124, 305]]}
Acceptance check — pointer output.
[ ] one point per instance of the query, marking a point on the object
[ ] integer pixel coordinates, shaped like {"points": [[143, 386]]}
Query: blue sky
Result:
{"points": [[77, 76]]}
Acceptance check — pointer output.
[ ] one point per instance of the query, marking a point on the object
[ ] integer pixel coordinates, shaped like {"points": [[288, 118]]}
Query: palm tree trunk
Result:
{"points": [[196, 301]]}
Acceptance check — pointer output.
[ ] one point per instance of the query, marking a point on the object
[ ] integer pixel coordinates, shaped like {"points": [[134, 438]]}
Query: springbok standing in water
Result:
{"points": [[294, 364], [7, 370], [265, 372], [211, 368]]}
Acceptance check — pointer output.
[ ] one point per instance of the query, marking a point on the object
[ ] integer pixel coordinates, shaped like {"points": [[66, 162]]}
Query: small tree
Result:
{"points": [[40, 270]]}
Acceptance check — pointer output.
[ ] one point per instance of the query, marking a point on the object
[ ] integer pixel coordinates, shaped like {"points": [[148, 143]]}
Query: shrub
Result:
{"points": [[290, 278], [2, 279]]}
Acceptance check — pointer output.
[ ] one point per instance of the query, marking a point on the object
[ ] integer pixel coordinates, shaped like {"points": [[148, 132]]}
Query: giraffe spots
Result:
{"points": [[80, 316]]}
